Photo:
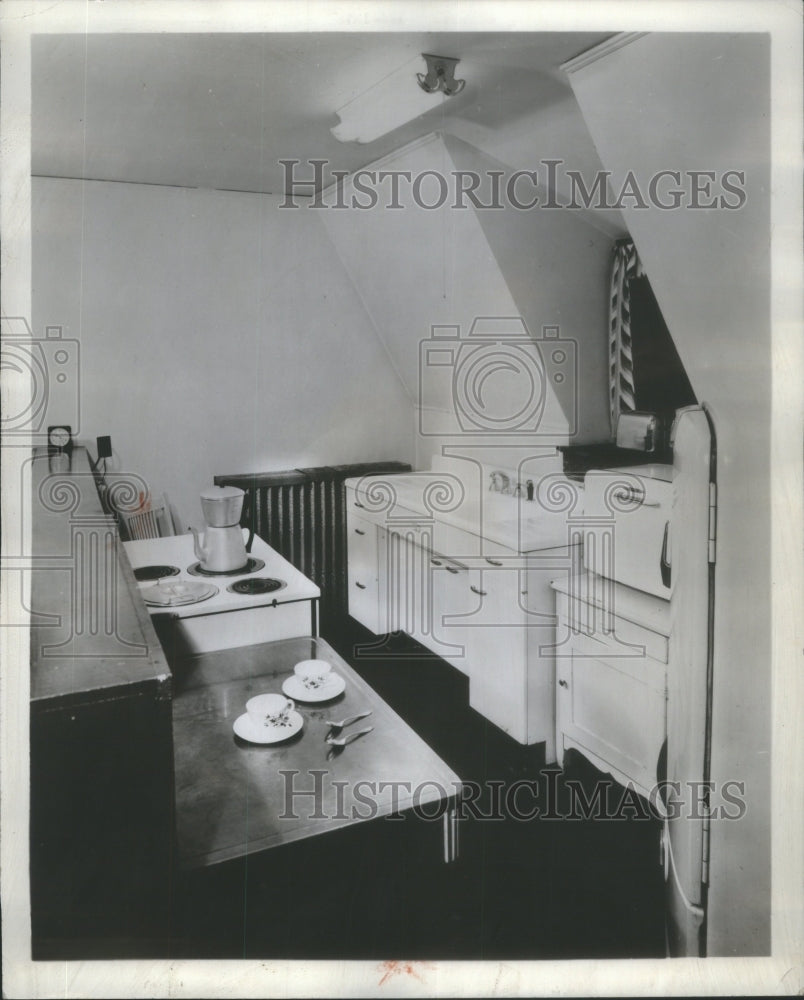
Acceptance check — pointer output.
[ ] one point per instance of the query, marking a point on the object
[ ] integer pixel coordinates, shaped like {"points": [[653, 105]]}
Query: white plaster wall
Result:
{"points": [[218, 334]]}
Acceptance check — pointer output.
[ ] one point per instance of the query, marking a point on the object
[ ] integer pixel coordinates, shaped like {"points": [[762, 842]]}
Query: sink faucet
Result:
{"points": [[529, 485]]}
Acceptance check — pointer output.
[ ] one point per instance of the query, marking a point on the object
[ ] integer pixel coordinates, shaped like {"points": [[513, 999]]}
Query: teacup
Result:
{"points": [[269, 710], [313, 673]]}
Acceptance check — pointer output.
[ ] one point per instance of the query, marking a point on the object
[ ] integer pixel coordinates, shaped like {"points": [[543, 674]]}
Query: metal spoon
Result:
{"points": [[347, 721], [342, 741]]}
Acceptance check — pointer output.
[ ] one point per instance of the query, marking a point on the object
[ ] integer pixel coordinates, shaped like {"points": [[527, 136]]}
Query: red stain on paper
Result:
{"points": [[394, 967]]}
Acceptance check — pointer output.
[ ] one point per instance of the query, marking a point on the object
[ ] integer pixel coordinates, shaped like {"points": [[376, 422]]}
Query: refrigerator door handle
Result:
{"points": [[670, 869], [663, 562]]}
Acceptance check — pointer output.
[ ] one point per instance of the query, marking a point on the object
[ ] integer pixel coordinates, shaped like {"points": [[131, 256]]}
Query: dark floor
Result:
{"points": [[522, 888]]}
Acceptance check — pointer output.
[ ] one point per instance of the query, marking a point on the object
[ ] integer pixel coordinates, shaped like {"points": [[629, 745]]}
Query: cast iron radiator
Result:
{"points": [[301, 514]]}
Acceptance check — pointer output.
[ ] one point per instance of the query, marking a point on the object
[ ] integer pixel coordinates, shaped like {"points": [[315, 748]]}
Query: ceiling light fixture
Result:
{"points": [[440, 75], [394, 101]]}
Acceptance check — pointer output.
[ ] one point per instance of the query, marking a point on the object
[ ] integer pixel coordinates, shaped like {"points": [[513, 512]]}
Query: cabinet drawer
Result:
{"points": [[363, 570], [622, 644], [364, 602], [356, 506], [362, 547], [456, 543], [589, 621]]}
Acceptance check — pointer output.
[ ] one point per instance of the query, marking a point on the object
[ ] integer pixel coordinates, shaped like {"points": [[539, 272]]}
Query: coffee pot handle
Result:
{"points": [[249, 519]]}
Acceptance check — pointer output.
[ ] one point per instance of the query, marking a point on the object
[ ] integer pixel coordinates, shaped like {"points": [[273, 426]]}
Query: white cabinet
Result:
{"points": [[510, 647], [404, 583], [497, 644], [364, 541], [610, 702], [479, 605], [453, 606]]}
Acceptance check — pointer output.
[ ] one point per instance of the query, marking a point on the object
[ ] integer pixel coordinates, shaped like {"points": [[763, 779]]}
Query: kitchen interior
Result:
{"points": [[293, 493]]}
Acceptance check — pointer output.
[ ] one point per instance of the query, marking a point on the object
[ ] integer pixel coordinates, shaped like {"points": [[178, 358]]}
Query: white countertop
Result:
{"points": [[514, 522], [178, 550], [634, 605]]}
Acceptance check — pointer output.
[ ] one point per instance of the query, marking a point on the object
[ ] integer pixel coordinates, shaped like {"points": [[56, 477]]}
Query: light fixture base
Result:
{"points": [[440, 75]]}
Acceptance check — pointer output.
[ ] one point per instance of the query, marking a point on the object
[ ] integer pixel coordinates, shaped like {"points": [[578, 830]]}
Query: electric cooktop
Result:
{"points": [[252, 566], [253, 585], [147, 573]]}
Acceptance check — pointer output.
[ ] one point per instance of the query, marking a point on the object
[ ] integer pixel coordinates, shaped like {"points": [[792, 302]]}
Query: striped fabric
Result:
{"points": [[621, 367]]}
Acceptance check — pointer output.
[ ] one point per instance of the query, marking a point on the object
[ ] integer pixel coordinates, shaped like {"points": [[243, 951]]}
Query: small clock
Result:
{"points": [[59, 439]]}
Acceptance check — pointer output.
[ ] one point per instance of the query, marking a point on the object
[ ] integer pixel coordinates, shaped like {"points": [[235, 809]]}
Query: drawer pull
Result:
{"points": [[452, 569], [359, 504], [360, 586], [436, 562], [493, 562], [632, 496], [359, 532], [474, 589], [563, 684]]}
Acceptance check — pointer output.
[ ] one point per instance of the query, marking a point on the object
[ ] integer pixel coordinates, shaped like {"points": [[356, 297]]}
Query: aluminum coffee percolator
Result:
{"points": [[222, 549]]}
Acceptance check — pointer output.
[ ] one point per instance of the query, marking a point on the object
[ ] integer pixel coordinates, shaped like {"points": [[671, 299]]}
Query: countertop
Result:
{"points": [[515, 523], [91, 634], [635, 606], [234, 798]]}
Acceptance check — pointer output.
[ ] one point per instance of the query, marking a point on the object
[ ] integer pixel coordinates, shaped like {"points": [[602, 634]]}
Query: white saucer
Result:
{"points": [[295, 688], [246, 730], [169, 593]]}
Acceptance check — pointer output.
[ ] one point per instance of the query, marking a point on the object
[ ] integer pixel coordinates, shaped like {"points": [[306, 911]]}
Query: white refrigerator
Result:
{"points": [[685, 840]]}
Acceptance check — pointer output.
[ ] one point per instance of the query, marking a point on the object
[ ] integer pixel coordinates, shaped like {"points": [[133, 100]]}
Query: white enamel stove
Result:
{"points": [[285, 606]]}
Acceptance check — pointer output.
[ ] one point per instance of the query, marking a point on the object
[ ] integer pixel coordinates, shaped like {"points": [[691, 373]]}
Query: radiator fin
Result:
{"points": [[301, 513]]}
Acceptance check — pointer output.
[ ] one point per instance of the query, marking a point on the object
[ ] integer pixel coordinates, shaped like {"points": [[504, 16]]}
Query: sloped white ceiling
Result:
{"points": [[419, 271], [221, 110]]}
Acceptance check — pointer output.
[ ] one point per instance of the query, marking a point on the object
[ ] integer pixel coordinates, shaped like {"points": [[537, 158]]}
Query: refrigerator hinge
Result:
{"points": [[705, 846], [712, 520]]}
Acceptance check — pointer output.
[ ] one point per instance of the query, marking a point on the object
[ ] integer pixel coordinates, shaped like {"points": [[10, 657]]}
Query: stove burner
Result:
{"points": [[144, 573], [256, 585], [252, 566]]}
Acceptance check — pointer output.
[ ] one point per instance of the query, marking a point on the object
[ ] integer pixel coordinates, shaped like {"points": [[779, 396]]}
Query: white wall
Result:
{"points": [[417, 268], [556, 267], [708, 109], [218, 334]]}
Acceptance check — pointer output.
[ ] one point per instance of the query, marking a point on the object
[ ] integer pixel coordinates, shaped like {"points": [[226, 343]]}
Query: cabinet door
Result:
{"points": [[403, 584], [363, 571], [496, 649], [612, 708], [453, 606]]}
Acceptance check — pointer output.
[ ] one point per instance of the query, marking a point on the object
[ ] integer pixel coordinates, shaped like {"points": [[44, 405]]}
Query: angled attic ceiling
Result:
{"points": [[220, 110]]}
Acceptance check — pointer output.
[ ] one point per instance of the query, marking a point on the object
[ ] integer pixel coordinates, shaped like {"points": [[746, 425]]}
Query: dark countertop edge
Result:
{"points": [[159, 686], [198, 861]]}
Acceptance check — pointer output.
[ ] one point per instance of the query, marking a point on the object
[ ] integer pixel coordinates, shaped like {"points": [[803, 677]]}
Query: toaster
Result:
{"points": [[639, 431]]}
